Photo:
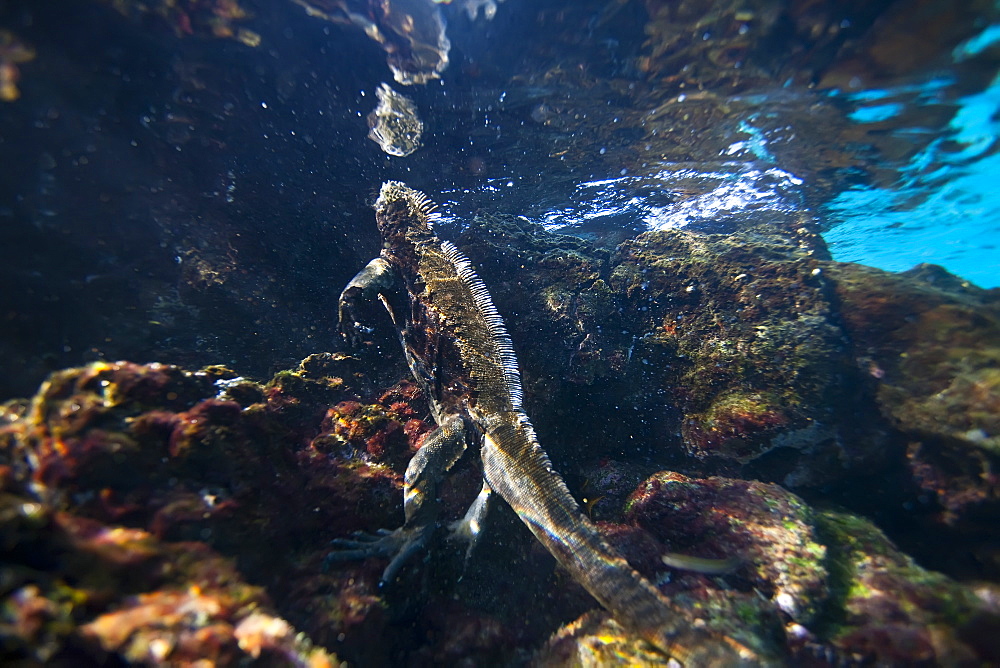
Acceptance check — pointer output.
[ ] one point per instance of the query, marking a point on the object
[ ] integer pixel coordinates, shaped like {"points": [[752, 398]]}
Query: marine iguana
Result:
{"points": [[459, 352]]}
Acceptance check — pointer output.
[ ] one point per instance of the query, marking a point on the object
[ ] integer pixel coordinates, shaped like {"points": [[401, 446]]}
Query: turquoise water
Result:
{"points": [[944, 208]]}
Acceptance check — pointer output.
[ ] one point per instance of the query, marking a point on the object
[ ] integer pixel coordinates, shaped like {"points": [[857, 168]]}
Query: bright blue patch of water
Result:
{"points": [[957, 225], [876, 113], [945, 207], [978, 44]]}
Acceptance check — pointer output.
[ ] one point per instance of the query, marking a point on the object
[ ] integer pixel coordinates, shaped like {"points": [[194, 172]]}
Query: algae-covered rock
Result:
{"points": [[928, 344], [78, 591], [931, 344], [728, 340], [887, 609], [217, 18], [596, 640], [746, 325], [130, 492], [740, 558], [809, 587], [765, 529]]}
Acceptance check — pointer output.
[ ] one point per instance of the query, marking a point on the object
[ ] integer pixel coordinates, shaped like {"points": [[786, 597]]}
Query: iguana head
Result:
{"points": [[400, 209]]}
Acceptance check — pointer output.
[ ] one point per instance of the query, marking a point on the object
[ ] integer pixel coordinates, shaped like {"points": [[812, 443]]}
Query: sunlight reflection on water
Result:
{"points": [[692, 196]]}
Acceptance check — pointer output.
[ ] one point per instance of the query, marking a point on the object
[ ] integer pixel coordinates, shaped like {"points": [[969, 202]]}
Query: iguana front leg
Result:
{"points": [[377, 279]]}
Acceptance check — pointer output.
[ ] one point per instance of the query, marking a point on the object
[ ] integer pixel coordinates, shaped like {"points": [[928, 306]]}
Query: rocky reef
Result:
{"points": [[165, 516], [826, 587]]}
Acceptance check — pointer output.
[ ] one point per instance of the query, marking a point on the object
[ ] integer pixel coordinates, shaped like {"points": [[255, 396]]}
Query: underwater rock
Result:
{"points": [[928, 345], [815, 587], [756, 360], [931, 342], [212, 18], [730, 44], [894, 39], [138, 477], [887, 610], [135, 501], [77, 590], [595, 640], [394, 123], [766, 528], [730, 341], [694, 47]]}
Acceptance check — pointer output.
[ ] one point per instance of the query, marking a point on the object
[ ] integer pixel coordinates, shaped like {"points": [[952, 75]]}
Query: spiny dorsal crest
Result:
{"points": [[494, 323]]}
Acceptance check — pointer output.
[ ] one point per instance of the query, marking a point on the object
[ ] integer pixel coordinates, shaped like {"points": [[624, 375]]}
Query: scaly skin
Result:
{"points": [[459, 352]]}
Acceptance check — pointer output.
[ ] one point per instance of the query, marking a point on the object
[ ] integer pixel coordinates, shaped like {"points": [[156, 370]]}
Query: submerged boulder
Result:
{"points": [[928, 344], [812, 587], [752, 353], [158, 515]]}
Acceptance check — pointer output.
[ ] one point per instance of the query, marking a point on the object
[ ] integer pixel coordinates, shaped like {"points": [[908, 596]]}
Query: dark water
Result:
{"points": [[174, 192]]}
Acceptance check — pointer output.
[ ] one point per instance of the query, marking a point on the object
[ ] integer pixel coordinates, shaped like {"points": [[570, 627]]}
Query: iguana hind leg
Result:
{"points": [[441, 449], [470, 527]]}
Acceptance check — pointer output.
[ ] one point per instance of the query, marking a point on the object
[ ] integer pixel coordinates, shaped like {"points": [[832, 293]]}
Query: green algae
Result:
{"points": [[745, 323], [872, 583]]}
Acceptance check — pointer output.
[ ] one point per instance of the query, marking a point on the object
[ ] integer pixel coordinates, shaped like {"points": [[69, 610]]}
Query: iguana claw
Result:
{"points": [[398, 545]]}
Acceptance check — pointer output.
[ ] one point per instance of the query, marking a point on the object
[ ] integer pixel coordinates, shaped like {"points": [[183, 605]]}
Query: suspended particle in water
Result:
{"points": [[394, 124]]}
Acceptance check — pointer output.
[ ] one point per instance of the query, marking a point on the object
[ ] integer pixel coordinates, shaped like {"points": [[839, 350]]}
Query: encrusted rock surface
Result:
{"points": [[140, 501], [887, 609], [930, 346], [812, 587], [165, 516], [725, 347]]}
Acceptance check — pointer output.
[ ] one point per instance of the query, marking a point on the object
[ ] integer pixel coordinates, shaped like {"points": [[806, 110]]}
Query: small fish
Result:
{"points": [[701, 564]]}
